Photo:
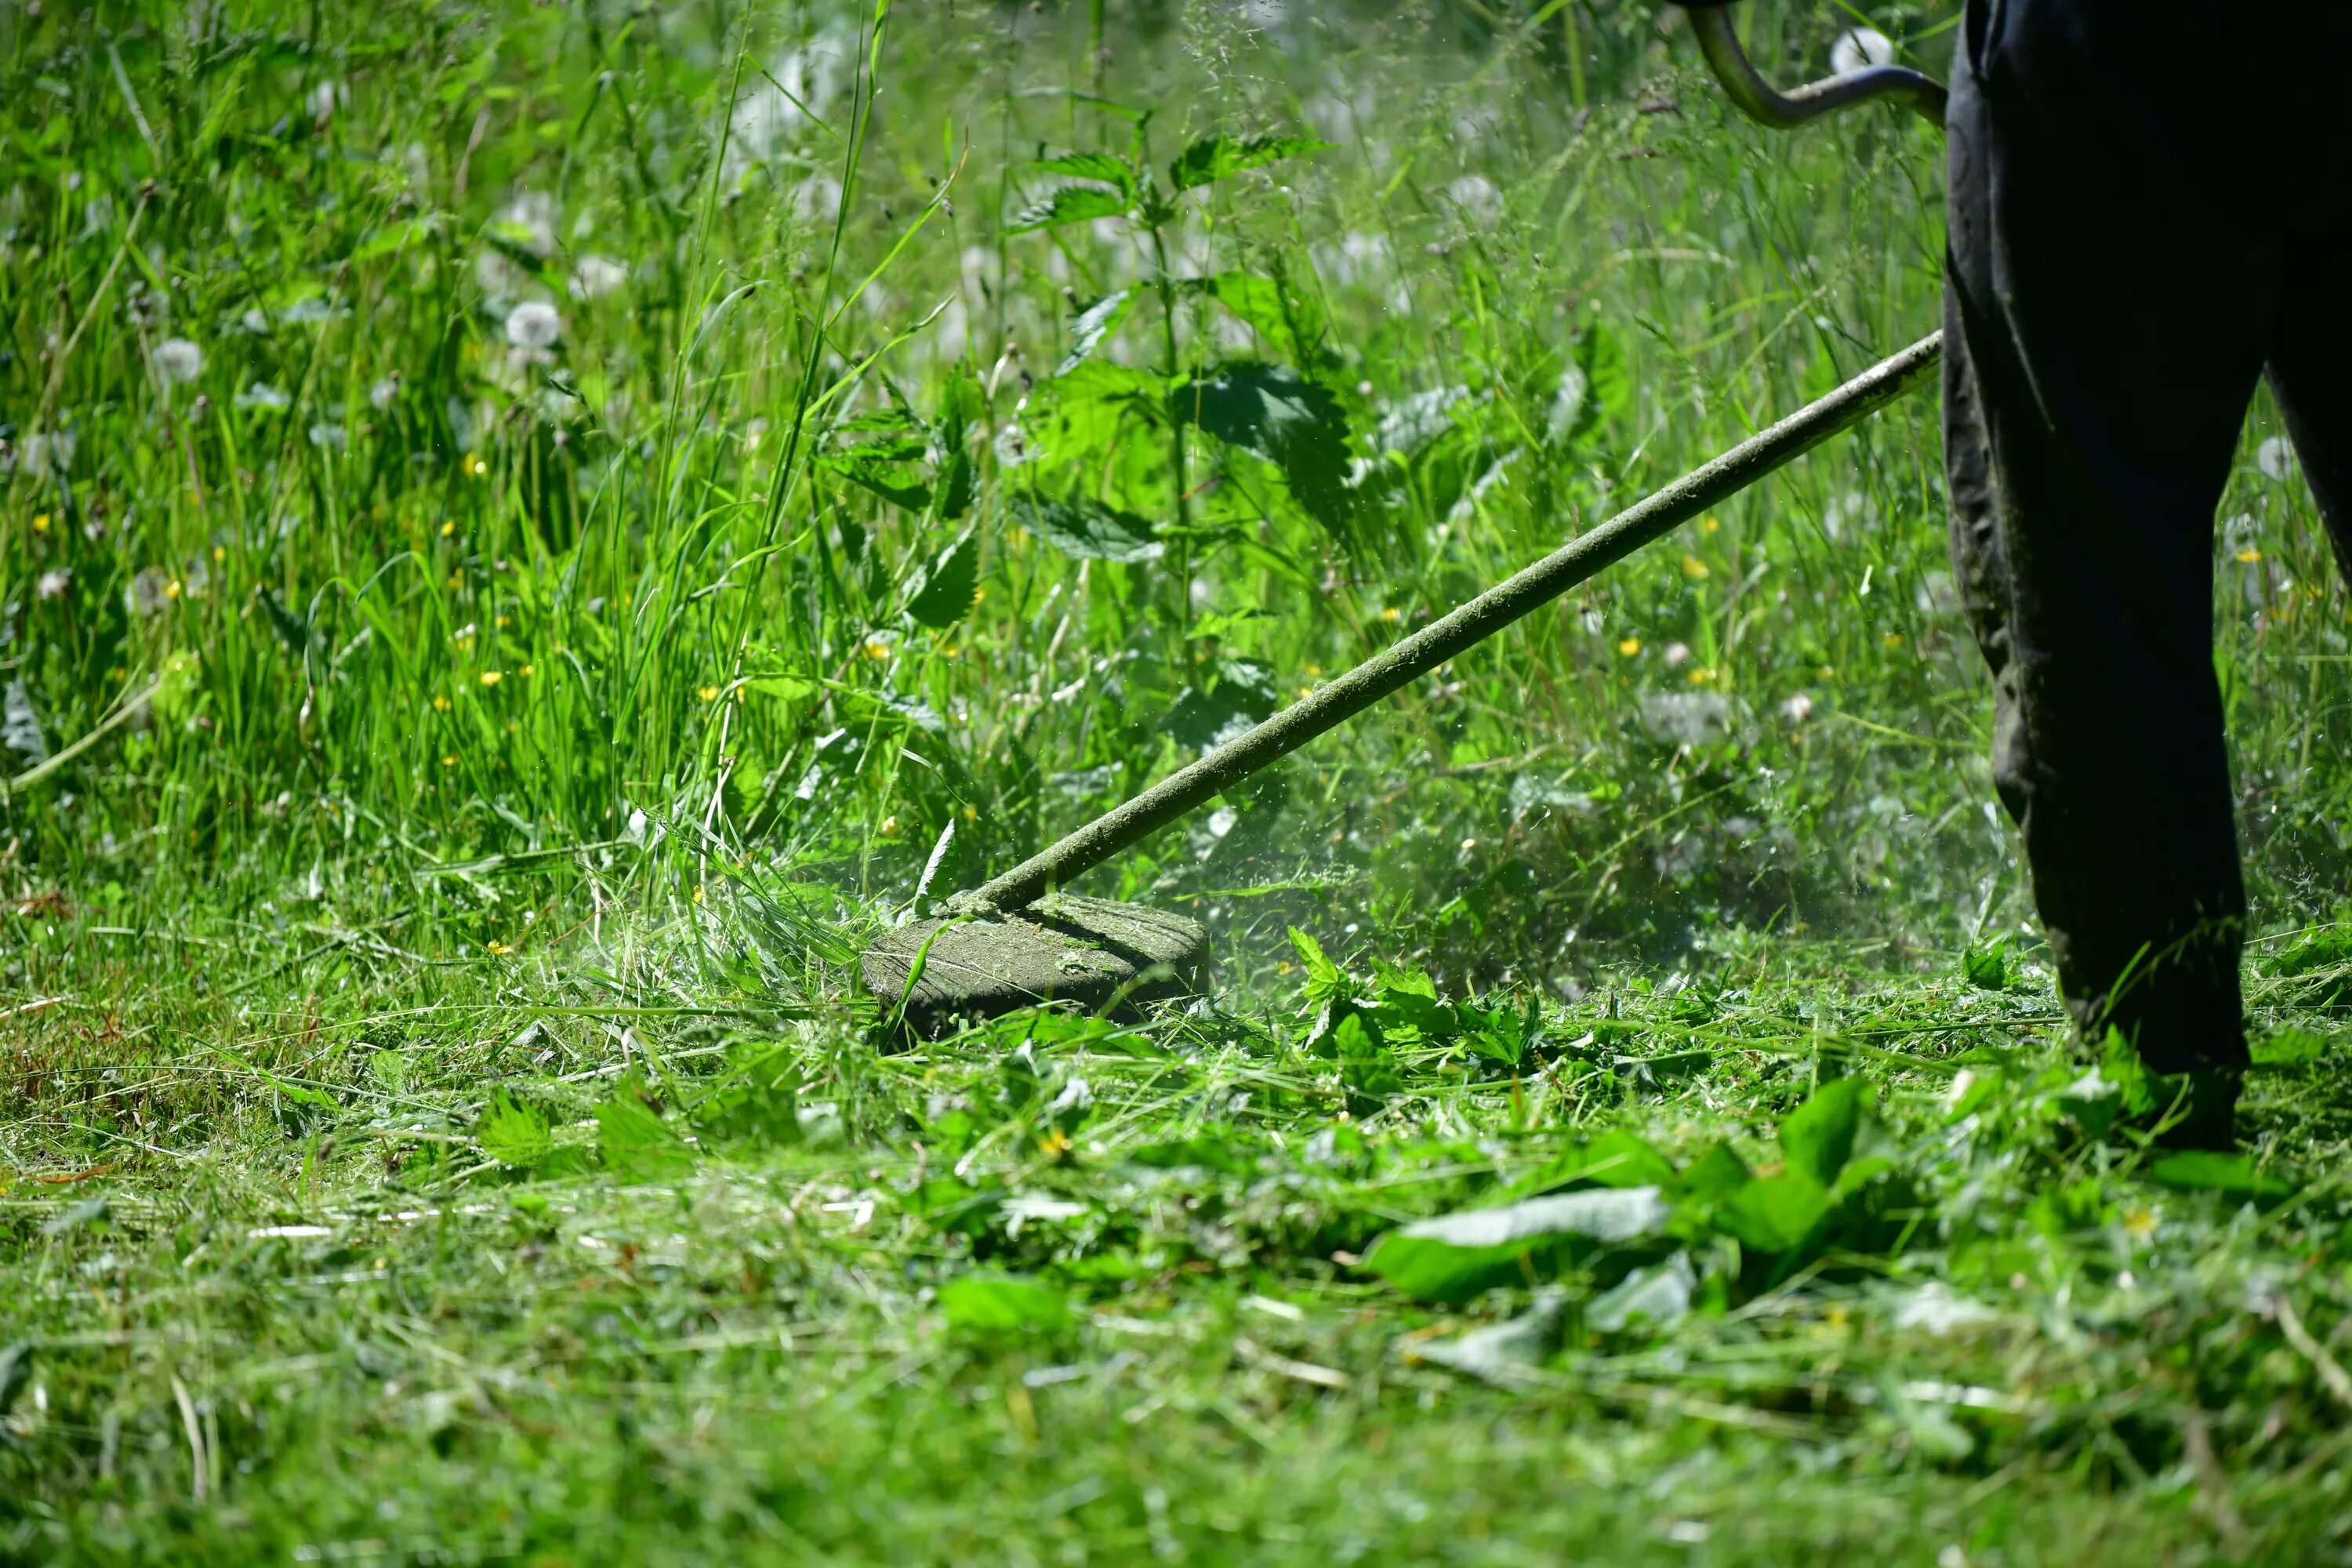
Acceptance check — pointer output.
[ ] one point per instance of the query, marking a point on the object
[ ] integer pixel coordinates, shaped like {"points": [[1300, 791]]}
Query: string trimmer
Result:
{"points": [[1018, 941]]}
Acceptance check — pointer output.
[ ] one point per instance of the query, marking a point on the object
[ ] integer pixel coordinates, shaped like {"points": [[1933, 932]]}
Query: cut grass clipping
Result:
{"points": [[531, 536]]}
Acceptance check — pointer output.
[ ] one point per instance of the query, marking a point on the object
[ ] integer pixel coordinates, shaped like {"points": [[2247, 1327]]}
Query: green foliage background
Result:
{"points": [[526, 532]]}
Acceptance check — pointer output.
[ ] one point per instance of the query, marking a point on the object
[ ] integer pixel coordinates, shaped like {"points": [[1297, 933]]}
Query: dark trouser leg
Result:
{"points": [[2311, 372], [2105, 341]]}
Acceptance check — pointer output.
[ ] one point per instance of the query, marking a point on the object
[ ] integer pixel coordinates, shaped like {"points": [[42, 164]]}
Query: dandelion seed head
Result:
{"points": [[54, 583], [2276, 458], [1859, 49], [533, 324], [598, 276], [176, 360], [1678, 654]]}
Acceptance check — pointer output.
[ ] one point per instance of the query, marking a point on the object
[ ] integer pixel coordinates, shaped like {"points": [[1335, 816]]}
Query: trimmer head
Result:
{"points": [[1092, 953]]}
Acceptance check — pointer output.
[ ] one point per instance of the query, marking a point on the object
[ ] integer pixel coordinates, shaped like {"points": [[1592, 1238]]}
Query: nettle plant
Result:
{"points": [[1104, 464]]}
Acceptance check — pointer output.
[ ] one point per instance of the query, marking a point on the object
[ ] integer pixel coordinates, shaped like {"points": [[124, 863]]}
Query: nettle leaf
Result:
{"points": [[1239, 695], [1075, 416], [1091, 326], [1323, 978], [757, 1102], [2290, 1048], [1071, 203], [1108, 167], [514, 1135], [950, 435], [942, 592], [1817, 1139], [1087, 530], [1286, 318], [637, 1143], [1003, 1304], [876, 477], [1213, 158], [1455, 1257], [1279, 415], [1776, 1214], [1712, 1177], [1621, 1159], [1367, 1067], [1987, 968]]}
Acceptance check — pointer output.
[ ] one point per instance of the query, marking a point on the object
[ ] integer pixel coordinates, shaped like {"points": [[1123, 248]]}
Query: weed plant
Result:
{"points": [[527, 533]]}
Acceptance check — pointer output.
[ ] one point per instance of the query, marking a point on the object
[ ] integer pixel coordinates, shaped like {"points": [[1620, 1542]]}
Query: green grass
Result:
{"points": [[439, 1119]]}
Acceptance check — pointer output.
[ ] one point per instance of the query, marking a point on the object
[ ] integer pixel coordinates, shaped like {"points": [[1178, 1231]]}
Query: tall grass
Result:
{"points": [[394, 582]]}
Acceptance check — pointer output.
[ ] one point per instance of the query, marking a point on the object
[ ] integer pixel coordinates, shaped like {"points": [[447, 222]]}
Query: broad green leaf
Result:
{"points": [[1214, 157], [1108, 167], [1712, 1177], [399, 237], [1075, 418], [2092, 1100], [1620, 1158], [1657, 1296], [1367, 1067], [1238, 695], [2207, 1171], [1087, 530], [1775, 1214], [515, 1135], [1986, 968], [1286, 318], [785, 688], [2290, 1048], [1818, 1137], [1071, 203], [1291, 422], [1003, 1304], [1090, 326], [1456, 1256], [757, 1102], [871, 470], [943, 592], [1323, 977], [637, 1143], [1609, 380]]}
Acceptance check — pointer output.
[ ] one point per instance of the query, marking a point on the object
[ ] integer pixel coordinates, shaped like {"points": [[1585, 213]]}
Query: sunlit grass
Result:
{"points": [[539, 520]]}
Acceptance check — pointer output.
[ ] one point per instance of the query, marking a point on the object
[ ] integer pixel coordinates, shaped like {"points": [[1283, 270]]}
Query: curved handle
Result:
{"points": [[1767, 105]]}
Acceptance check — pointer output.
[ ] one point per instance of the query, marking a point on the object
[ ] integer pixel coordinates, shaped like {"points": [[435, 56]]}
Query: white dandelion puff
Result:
{"points": [[54, 583], [325, 99], [2276, 458], [146, 596], [598, 276], [1798, 709], [177, 360], [1478, 196], [382, 392], [1859, 49], [529, 221], [1685, 717], [533, 324], [261, 395]]}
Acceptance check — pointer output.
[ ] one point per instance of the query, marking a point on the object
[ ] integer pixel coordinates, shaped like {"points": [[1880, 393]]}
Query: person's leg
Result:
{"points": [[2104, 342], [2311, 372]]}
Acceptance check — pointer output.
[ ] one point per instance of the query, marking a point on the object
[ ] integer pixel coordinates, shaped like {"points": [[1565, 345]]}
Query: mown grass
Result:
{"points": [[440, 1117]]}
